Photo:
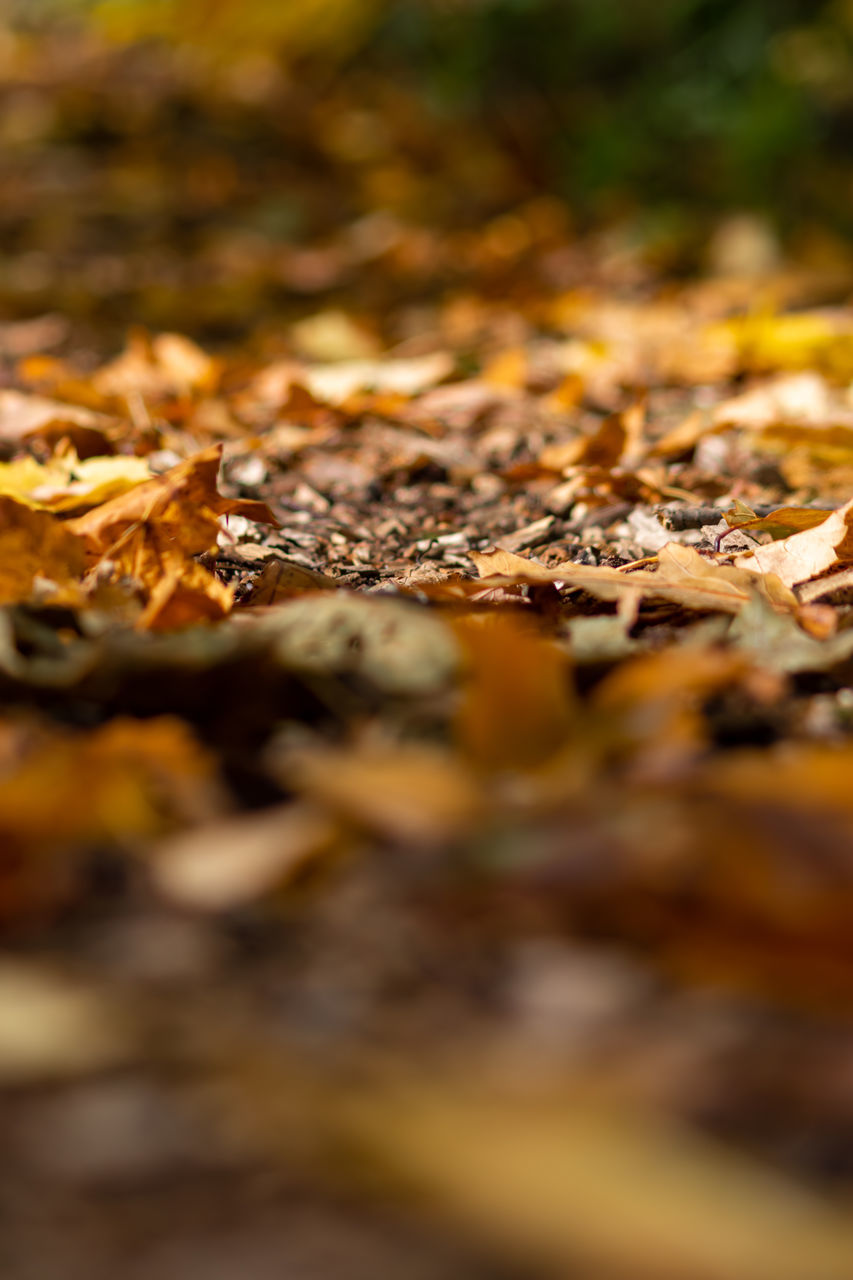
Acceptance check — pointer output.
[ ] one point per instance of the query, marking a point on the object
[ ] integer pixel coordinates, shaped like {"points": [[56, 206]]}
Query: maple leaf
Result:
{"points": [[183, 502], [35, 545]]}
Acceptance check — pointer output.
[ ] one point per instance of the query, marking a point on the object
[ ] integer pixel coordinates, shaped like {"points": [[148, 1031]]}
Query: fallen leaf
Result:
{"points": [[282, 579], [179, 595], [184, 503], [804, 399], [335, 383], [616, 442], [36, 545], [778, 524], [66, 483], [806, 555], [22, 415], [391, 645], [165, 365], [124, 778], [409, 793], [517, 705], [821, 340], [779, 643], [52, 1026], [225, 864], [548, 1175], [684, 577]]}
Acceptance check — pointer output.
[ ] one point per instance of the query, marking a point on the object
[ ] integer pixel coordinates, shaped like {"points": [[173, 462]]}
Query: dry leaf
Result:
{"points": [[66, 483], [183, 502], [22, 415], [166, 365], [228, 863], [179, 595], [684, 577], [517, 704], [616, 442], [808, 554], [804, 399], [53, 1027], [391, 645], [778, 524], [820, 340], [335, 383], [407, 793], [73, 792], [282, 579], [573, 1181], [35, 545]]}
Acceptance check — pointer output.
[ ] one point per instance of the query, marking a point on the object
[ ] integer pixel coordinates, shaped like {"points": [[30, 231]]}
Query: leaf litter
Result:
{"points": [[350, 677]]}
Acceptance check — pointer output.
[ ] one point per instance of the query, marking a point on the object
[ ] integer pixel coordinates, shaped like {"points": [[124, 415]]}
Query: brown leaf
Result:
{"points": [[517, 705], [36, 545], [282, 579], [181, 597], [403, 792], [227, 863], [548, 1175], [22, 415], [117, 783], [808, 554], [167, 364], [684, 577], [616, 441], [184, 502], [779, 523]]}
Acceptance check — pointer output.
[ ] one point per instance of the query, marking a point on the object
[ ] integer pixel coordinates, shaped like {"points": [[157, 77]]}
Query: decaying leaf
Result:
{"points": [[184, 503], [167, 364], [780, 644], [53, 1026], [780, 523], [802, 556], [34, 547], [548, 1176], [411, 794], [334, 383], [128, 777], [517, 707], [684, 577], [222, 865], [394, 646], [617, 440], [22, 415], [281, 579]]}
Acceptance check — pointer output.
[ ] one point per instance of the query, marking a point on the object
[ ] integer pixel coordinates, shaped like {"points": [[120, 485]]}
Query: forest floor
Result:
{"points": [[426, 820]]}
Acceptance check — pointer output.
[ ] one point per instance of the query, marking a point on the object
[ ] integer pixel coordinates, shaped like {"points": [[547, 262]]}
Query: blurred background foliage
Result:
{"points": [[213, 129], [745, 102]]}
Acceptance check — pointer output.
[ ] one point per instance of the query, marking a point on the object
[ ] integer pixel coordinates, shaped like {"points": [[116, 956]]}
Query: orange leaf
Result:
{"points": [[517, 708], [184, 498], [36, 544]]}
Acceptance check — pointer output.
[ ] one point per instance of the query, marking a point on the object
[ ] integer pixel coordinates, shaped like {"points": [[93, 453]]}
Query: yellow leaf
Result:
{"points": [[36, 545], [594, 1188]]}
